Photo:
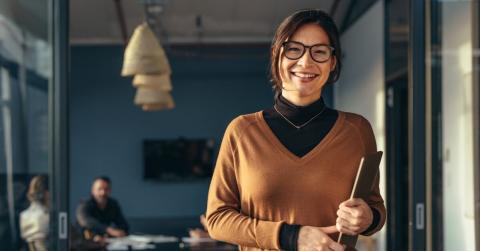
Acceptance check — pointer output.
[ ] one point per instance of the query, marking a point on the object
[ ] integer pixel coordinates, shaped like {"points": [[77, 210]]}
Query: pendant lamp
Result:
{"points": [[153, 81], [153, 99], [146, 60], [144, 54]]}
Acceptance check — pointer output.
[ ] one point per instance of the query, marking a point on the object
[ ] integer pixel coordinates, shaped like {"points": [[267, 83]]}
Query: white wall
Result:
{"points": [[361, 86]]}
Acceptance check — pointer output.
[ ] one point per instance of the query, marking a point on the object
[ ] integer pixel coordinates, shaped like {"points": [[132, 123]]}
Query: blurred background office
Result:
{"points": [[410, 67]]}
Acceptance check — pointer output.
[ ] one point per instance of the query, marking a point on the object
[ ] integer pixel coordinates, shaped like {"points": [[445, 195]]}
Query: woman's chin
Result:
{"points": [[307, 89], [304, 88]]}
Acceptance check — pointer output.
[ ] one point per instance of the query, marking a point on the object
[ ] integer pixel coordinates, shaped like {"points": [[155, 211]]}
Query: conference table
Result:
{"points": [[180, 246], [167, 234], [176, 244]]}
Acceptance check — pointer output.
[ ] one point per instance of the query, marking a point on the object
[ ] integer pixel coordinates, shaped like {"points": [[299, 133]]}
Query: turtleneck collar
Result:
{"points": [[299, 114]]}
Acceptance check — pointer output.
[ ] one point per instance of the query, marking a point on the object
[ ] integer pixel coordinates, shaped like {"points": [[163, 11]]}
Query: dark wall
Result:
{"points": [[211, 87]]}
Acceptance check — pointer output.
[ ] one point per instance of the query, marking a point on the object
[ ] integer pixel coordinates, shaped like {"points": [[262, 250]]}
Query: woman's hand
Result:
{"points": [[198, 233], [316, 238], [354, 217]]}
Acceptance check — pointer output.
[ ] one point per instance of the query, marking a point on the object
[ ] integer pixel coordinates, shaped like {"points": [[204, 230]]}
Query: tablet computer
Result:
{"points": [[363, 186]]}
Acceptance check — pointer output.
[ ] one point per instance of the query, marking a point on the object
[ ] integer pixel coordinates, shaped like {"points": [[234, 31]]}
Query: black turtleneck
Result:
{"points": [[301, 141]]}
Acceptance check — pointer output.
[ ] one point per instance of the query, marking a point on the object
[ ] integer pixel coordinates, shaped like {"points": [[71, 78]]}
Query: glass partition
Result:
{"points": [[25, 73], [452, 88]]}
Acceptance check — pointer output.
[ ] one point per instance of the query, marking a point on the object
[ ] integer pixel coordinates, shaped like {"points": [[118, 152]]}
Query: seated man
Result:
{"points": [[101, 215]]}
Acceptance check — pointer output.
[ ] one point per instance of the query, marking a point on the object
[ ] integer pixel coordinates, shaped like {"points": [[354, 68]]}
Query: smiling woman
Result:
{"points": [[283, 175]]}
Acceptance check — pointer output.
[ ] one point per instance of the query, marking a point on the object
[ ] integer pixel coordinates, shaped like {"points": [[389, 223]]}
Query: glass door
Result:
{"points": [[453, 115]]}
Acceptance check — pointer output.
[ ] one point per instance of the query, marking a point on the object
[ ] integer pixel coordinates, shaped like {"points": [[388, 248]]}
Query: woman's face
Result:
{"points": [[304, 78]]}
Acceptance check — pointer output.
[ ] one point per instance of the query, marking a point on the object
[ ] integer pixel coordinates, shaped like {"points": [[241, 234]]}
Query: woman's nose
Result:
{"points": [[306, 59]]}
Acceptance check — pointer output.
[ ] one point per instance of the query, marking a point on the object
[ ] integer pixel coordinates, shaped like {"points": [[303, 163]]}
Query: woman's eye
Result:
{"points": [[320, 52], [293, 49]]}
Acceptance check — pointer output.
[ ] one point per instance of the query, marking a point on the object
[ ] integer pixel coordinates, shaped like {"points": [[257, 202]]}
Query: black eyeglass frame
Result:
{"points": [[305, 47]]}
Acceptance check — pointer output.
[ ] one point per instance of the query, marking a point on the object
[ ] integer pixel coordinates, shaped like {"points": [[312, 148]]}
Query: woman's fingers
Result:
{"points": [[316, 238], [350, 203], [349, 222], [344, 214], [329, 230], [345, 230], [336, 246], [348, 227], [347, 209], [353, 214]]}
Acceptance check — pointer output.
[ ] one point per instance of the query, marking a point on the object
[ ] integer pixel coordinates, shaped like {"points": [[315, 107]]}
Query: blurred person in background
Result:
{"points": [[34, 221], [101, 216]]}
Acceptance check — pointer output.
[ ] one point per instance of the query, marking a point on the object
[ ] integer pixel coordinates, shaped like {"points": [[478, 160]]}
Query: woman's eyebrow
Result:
{"points": [[322, 43]]}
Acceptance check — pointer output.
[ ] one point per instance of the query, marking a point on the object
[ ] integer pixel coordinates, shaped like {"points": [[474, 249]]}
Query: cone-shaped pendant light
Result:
{"points": [[144, 54], [153, 99], [146, 60], [154, 81]]}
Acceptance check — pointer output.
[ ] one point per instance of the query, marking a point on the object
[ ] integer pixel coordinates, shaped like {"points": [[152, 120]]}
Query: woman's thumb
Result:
{"points": [[329, 230]]}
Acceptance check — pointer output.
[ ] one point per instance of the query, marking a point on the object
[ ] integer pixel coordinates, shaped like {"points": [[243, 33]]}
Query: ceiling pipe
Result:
{"points": [[121, 21], [334, 8]]}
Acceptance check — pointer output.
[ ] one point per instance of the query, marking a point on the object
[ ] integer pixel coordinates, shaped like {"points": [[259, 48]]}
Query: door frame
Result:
{"points": [[58, 125], [417, 127]]}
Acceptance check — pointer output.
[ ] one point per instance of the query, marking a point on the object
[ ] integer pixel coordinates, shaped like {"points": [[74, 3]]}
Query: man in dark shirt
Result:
{"points": [[101, 215]]}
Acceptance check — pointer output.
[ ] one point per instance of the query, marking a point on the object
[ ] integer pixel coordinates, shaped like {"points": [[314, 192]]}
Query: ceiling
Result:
{"points": [[184, 21], [191, 21], [31, 15]]}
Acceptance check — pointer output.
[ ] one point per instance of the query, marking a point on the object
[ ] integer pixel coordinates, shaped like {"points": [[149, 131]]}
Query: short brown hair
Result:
{"points": [[37, 189], [286, 29]]}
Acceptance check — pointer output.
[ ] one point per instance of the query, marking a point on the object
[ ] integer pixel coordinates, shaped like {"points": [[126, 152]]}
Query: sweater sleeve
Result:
{"points": [[87, 221], [375, 199], [119, 218], [225, 220]]}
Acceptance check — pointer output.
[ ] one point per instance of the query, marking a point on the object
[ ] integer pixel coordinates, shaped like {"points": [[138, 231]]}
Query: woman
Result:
{"points": [[284, 175], [34, 220]]}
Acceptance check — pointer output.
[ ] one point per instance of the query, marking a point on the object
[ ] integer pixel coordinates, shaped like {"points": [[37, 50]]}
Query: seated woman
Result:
{"points": [[35, 219]]}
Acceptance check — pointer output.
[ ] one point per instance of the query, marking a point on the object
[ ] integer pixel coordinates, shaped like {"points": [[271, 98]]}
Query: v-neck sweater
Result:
{"points": [[310, 125], [258, 184]]}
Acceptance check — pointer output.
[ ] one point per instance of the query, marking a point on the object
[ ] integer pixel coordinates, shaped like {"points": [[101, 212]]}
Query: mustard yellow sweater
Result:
{"points": [[258, 184]]}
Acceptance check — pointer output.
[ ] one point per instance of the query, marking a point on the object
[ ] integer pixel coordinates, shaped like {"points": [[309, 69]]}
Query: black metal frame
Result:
{"points": [[396, 147], [58, 125], [417, 126], [436, 126]]}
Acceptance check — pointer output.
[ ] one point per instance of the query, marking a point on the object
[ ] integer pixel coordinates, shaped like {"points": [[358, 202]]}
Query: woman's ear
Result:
{"points": [[333, 63]]}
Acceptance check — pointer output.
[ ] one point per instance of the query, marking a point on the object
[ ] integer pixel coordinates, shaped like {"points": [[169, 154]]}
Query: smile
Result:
{"points": [[304, 75]]}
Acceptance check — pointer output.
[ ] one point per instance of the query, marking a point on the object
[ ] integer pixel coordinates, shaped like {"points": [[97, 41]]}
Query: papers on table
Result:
{"points": [[133, 246], [153, 238], [197, 240], [138, 242]]}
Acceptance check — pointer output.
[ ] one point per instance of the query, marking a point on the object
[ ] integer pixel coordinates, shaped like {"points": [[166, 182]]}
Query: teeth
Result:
{"points": [[304, 75]]}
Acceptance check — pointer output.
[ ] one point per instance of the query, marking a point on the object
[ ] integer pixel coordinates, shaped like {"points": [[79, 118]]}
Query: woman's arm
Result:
{"points": [[358, 216], [375, 200], [225, 221]]}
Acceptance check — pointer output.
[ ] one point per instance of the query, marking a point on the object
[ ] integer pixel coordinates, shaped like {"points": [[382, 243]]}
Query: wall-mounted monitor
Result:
{"points": [[178, 159]]}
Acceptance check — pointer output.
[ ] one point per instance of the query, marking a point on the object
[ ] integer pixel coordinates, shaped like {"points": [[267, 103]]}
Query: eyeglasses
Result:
{"points": [[319, 52]]}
